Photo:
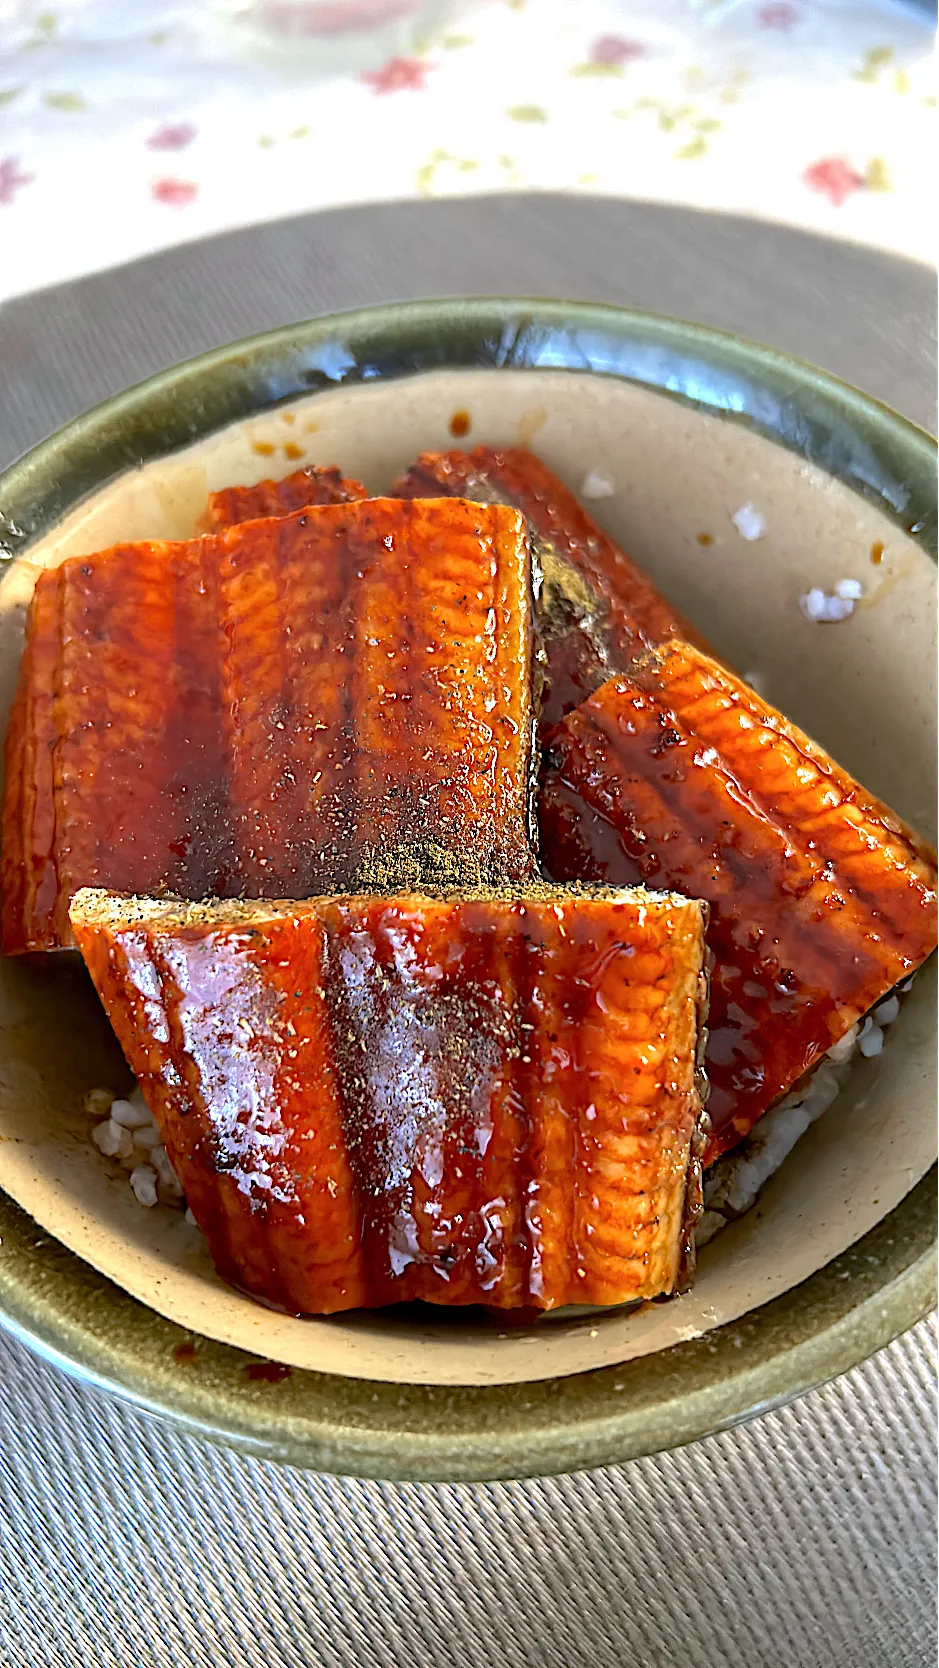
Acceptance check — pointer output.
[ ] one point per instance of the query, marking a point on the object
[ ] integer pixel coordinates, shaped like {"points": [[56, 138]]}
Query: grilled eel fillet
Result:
{"points": [[821, 899], [489, 1097], [337, 700], [598, 609], [315, 485]]}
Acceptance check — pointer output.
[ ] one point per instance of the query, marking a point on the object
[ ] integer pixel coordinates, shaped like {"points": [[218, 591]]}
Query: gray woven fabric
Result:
{"points": [[804, 1540], [865, 315]]}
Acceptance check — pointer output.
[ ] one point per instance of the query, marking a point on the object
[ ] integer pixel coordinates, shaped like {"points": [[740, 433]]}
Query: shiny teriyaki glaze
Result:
{"points": [[598, 609], [469, 1099], [337, 699], [821, 901]]}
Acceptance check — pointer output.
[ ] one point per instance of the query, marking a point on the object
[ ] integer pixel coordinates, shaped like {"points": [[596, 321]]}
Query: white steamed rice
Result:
{"points": [[129, 1136], [732, 1184], [750, 524], [827, 609]]}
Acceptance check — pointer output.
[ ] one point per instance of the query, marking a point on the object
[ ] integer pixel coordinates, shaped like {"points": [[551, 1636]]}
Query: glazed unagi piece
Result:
{"points": [[821, 900], [474, 1098], [314, 485], [599, 609], [113, 756], [339, 699], [378, 675]]}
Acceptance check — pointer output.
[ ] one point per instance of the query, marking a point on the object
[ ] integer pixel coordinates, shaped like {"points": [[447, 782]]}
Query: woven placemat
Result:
{"points": [[803, 1540], [867, 316]]}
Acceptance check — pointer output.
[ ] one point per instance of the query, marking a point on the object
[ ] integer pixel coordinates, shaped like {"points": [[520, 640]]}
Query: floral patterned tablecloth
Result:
{"points": [[128, 125]]}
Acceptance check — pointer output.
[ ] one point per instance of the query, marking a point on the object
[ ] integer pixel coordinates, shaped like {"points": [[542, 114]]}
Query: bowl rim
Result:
{"points": [[850, 434], [832, 1321]]}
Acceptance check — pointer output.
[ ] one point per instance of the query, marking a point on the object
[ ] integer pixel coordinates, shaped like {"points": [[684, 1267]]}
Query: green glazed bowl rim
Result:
{"points": [[74, 1317], [847, 433]]}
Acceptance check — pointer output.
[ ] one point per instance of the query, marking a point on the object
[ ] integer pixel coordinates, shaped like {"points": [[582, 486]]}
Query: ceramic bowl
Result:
{"points": [[687, 427]]}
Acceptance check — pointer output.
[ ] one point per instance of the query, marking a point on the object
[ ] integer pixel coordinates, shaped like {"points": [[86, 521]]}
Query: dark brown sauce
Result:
{"points": [[460, 424], [577, 663], [511, 1320], [185, 1354], [877, 553], [267, 1372], [705, 539]]}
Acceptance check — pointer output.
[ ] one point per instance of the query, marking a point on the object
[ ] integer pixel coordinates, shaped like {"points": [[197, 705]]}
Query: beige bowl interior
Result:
{"points": [[865, 688]]}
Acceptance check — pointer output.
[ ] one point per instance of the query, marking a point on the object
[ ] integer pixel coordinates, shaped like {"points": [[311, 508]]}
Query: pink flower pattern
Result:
{"points": [[12, 179], [614, 49], [833, 178], [173, 142], [397, 76], [341, 19], [177, 193], [174, 136], [780, 15]]}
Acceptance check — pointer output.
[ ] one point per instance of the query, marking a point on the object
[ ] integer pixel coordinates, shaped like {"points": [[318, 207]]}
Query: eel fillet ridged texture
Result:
{"points": [[336, 700], [476, 1098], [315, 485], [821, 900], [599, 610]]}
